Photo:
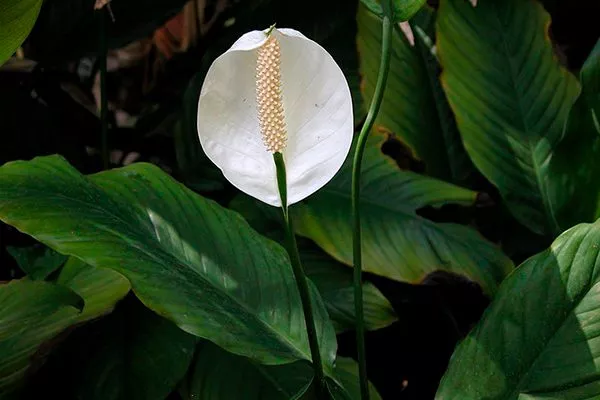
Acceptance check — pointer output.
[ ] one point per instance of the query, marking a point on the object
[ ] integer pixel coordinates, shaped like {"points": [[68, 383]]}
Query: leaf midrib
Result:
{"points": [[530, 135], [558, 327], [145, 245]]}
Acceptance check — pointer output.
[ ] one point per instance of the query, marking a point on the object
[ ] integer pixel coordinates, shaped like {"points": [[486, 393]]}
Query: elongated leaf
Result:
{"points": [[187, 258], [510, 96], [332, 279], [135, 354], [539, 338], [31, 313], [414, 106], [16, 20], [397, 243], [217, 374], [37, 261], [100, 288]]}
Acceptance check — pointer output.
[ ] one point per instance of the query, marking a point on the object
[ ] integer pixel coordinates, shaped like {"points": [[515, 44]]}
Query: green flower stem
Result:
{"points": [[103, 95], [356, 167], [301, 281]]}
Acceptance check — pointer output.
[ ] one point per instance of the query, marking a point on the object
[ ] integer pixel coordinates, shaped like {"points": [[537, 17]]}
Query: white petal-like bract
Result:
{"points": [[317, 110]]}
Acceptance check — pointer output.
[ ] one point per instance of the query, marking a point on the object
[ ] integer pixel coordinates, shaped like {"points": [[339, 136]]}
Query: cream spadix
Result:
{"points": [[277, 92]]}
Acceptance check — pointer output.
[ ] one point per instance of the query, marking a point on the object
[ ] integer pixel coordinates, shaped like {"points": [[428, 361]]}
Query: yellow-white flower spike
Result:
{"points": [[271, 116], [276, 91]]}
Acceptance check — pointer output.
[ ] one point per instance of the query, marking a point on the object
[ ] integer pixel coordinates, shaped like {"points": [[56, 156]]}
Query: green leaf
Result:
{"points": [[347, 374], [414, 107], [17, 17], [333, 280], [510, 96], [539, 338], [37, 261], [100, 288], [31, 314], [217, 374], [567, 179], [581, 142], [590, 79], [187, 258], [403, 9], [134, 354], [397, 243]]}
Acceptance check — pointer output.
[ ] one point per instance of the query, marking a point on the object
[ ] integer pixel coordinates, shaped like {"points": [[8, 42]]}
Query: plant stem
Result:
{"points": [[103, 95], [301, 281], [356, 168]]}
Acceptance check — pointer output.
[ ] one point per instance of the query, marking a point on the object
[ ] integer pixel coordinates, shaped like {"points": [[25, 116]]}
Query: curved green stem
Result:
{"points": [[301, 281], [356, 167]]}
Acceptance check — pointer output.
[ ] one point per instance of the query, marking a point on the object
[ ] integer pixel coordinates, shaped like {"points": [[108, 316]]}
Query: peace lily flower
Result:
{"points": [[276, 91]]}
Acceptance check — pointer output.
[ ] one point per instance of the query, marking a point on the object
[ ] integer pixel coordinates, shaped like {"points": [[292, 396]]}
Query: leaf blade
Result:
{"points": [[144, 225], [510, 107], [534, 349]]}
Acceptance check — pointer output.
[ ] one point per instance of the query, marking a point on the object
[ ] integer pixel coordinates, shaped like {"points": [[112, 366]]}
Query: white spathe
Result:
{"points": [[317, 109]]}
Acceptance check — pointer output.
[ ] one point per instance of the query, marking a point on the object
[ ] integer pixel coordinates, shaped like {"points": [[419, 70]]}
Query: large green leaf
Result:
{"points": [[397, 243], [332, 279], [539, 338], [41, 309], [187, 258], [37, 261], [100, 288], [16, 20], [217, 375], [510, 96], [414, 106], [133, 354], [31, 313]]}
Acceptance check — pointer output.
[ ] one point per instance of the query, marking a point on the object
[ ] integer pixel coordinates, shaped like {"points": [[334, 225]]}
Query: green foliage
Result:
{"points": [[32, 314], [414, 106], [37, 261], [398, 243], [511, 99], [140, 288], [100, 288], [332, 279], [581, 142], [538, 340], [16, 20], [217, 374], [176, 249], [590, 78], [134, 354]]}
